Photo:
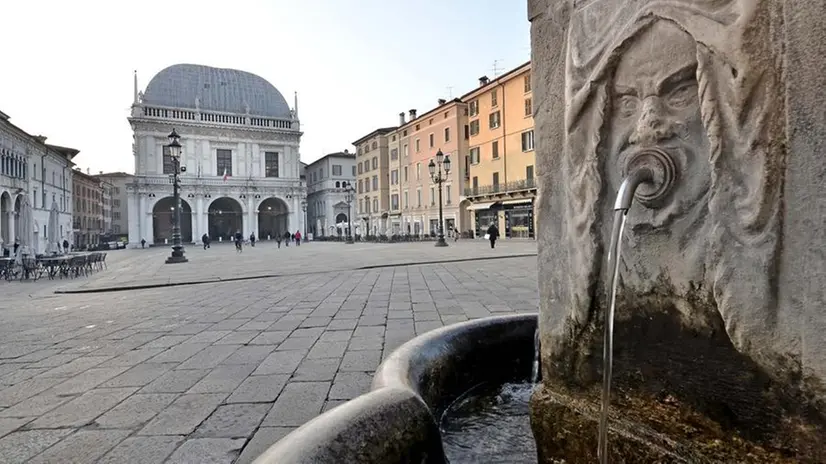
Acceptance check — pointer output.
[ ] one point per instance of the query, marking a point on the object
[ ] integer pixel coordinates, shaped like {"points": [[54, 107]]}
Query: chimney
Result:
{"points": [[401, 119], [40, 138], [483, 81], [412, 114], [442, 101], [88, 171]]}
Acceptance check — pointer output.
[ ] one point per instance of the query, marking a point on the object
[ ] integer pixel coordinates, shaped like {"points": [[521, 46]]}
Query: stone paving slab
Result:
{"points": [[142, 268], [218, 372]]}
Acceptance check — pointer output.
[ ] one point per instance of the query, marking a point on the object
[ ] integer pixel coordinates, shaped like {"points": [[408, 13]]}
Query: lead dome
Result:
{"points": [[215, 89]]}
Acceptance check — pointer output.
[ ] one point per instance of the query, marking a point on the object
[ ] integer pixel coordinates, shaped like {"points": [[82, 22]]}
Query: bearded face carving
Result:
{"points": [[655, 105]]}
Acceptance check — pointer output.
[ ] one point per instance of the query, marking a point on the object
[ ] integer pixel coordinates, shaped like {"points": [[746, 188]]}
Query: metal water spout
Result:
{"points": [[656, 169]]}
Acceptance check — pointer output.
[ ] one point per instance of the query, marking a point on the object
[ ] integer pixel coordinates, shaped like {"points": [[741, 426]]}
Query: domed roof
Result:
{"points": [[215, 89]]}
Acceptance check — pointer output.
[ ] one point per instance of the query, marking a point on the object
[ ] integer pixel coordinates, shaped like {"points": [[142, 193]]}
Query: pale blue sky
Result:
{"points": [[67, 65]]}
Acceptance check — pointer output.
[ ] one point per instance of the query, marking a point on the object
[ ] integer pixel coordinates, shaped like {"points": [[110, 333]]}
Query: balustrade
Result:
{"points": [[510, 187]]}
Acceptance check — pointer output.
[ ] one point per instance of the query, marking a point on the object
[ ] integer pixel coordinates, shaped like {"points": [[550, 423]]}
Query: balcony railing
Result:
{"points": [[214, 117], [515, 186]]}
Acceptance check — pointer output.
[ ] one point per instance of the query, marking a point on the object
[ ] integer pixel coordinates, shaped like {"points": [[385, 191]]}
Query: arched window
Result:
{"points": [[338, 184]]}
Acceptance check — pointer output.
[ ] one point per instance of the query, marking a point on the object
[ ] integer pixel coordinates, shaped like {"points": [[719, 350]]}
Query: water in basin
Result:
{"points": [[490, 423]]}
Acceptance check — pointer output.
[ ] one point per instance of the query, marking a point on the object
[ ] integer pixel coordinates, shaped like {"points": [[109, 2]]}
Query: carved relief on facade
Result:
{"points": [[693, 80]]}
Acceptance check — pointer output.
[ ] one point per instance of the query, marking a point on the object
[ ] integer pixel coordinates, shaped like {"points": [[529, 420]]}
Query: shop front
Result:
{"points": [[519, 221]]}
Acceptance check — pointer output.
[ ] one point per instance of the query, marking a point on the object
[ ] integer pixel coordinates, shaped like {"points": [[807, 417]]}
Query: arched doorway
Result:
{"points": [[163, 218], [226, 217], [341, 223], [5, 212], [273, 218]]}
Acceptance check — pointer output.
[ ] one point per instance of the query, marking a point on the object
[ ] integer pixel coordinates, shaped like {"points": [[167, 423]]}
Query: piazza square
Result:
{"points": [[219, 371]]}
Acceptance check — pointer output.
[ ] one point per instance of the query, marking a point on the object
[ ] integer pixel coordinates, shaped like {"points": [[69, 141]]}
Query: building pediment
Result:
{"points": [[341, 204]]}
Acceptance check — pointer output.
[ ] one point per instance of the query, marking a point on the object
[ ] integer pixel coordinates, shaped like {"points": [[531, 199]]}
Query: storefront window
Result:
{"points": [[484, 219], [519, 222]]}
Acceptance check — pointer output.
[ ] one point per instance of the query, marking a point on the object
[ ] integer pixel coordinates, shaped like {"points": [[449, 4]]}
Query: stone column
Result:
{"points": [[251, 216]]}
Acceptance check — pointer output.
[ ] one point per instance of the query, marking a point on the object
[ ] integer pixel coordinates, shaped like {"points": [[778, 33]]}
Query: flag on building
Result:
{"points": [[225, 174]]}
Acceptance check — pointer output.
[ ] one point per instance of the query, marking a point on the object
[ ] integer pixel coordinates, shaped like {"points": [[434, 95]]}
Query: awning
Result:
{"points": [[479, 206], [519, 201]]}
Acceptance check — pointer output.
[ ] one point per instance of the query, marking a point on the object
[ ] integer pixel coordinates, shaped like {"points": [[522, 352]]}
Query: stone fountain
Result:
{"points": [[719, 352], [720, 325]]}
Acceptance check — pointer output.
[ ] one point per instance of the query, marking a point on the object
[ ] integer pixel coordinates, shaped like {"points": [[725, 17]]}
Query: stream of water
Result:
{"points": [[620, 216]]}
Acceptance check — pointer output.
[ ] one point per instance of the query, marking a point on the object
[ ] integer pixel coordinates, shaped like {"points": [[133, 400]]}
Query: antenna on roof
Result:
{"points": [[496, 69], [450, 92]]}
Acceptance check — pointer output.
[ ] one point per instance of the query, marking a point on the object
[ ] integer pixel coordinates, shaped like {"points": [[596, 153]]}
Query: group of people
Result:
{"points": [[286, 237]]}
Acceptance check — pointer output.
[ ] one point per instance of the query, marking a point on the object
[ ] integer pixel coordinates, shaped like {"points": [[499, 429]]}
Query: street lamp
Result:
{"points": [[438, 173], [304, 208], [351, 191], [174, 148]]}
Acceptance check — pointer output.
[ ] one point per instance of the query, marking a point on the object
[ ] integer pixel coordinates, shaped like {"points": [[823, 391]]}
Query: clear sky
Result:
{"points": [[356, 64]]}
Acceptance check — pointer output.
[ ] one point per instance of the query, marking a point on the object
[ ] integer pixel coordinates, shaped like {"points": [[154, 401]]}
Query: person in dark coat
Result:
{"points": [[205, 241], [493, 234]]}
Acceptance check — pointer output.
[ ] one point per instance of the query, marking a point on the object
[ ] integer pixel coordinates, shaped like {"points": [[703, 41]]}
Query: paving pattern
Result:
{"points": [[217, 372]]}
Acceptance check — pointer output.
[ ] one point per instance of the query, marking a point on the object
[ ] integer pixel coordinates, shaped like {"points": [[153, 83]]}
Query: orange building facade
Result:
{"points": [[500, 187]]}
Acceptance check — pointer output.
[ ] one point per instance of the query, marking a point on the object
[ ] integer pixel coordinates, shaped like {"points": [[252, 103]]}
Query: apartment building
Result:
{"points": [[119, 213], [500, 186], [395, 192], [328, 206], [373, 182], [88, 224], [420, 138]]}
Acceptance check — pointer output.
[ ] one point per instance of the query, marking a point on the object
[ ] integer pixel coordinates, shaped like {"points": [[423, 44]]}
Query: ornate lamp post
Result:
{"points": [[438, 172], [304, 208], [174, 148], [351, 191]]}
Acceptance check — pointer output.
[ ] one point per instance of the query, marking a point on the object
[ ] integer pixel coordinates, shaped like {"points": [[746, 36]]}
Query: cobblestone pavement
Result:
{"points": [[217, 372], [220, 262]]}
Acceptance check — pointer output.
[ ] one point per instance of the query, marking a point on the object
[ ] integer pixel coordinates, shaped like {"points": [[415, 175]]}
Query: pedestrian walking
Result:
{"points": [[287, 237], [252, 240], [297, 238], [278, 240], [205, 241], [239, 242], [143, 243], [492, 235]]}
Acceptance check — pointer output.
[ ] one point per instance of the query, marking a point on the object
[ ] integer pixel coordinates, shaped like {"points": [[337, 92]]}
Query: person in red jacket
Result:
{"points": [[297, 238]]}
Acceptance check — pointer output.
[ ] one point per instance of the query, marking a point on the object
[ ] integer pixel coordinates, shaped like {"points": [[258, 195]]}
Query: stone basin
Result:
{"points": [[397, 421]]}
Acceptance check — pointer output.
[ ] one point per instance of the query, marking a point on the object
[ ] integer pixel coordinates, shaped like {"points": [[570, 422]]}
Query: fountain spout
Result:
{"points": [[645, 169], [628, 187]]}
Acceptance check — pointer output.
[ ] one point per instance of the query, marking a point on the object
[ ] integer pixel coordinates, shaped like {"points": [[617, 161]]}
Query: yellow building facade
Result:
{"points": [[372, 182], [500, 186]]}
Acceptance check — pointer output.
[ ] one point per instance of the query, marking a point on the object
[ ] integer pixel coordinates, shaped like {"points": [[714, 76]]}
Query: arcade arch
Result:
{"points": [[273, 217], [226, 217], [163, 217]]}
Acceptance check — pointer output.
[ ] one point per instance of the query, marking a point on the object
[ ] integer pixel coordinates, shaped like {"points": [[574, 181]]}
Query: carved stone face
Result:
{"points": [[655, 105]]}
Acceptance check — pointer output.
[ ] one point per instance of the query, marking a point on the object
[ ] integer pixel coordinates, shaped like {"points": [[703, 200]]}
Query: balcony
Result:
{"points": [[213, 117], [496, 189]]}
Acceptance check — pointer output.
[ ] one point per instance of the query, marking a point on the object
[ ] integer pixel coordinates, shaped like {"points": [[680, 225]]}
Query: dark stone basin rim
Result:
{"points": [[396, 422]]}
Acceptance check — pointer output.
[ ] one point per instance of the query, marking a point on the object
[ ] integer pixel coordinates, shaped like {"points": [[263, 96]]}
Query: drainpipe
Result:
{"points": [[504, 138]]}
